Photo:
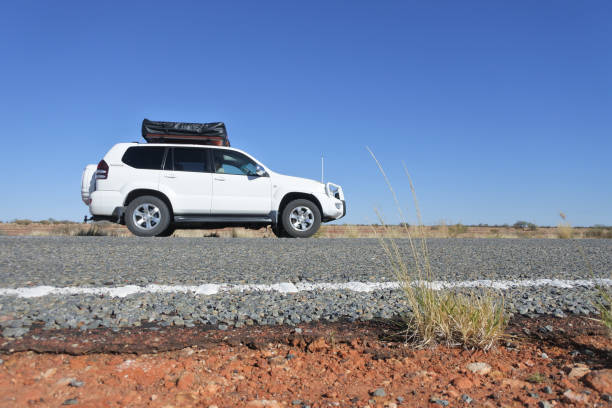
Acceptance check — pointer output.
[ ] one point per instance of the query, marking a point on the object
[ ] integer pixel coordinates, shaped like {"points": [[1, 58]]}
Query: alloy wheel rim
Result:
{"points": [[301, 218], [146, 216]]}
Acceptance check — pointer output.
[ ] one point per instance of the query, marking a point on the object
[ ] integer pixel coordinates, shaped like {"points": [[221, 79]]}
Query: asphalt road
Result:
{"points": [[95, 261], [111, 263]]}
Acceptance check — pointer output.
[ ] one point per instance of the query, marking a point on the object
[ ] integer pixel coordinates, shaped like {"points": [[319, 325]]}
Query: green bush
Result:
{"points": [[23, 222], [457, 229]]}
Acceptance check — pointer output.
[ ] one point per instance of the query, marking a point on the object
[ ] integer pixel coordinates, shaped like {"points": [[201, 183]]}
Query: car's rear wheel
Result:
{"points": [[147, 216], [301, 218]]}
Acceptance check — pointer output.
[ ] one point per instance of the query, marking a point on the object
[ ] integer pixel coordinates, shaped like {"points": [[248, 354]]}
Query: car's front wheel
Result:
{"points": [[301, 218], [147, 216]]}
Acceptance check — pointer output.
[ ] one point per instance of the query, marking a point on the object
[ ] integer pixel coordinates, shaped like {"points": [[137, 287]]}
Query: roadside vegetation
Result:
{"points": [[443, 229], [565, 230], [474, 318], [94, 231], [604, 301], [605, 308]]}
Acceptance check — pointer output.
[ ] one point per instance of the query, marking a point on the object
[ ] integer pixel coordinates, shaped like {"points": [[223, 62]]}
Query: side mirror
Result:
{"points": [[260, 171]]}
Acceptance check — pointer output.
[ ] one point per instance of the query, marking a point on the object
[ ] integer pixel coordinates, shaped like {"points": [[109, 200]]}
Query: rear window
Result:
{"points": [[189, 159], [144, 157]]}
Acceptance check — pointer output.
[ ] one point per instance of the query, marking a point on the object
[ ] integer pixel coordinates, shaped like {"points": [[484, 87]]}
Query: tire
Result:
{"points": [[279, 231], [147, 216], [168, 232], [301, 218]]}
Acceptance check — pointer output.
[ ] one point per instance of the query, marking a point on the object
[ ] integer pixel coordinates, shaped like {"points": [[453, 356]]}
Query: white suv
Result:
{"points": [[156, 188]]}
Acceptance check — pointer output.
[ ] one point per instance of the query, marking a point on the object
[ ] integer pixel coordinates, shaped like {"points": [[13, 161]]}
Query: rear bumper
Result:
{"points": [[105, 203]]}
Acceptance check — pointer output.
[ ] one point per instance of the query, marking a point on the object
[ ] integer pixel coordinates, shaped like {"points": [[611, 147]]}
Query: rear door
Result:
{"points": [[237, 189], [188, 179]]}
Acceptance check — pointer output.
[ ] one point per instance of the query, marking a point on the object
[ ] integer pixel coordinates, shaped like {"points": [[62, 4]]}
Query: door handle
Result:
{"points": [[169, 176], [220, 178]]}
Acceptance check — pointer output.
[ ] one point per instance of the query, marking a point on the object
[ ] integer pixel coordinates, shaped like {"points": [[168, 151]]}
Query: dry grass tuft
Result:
{"points": [[474, 319], [605, 304], [605, 308], [565, 230]]}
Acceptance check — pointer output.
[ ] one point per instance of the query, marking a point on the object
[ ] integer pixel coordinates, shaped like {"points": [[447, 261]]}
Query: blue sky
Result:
{"points": [[501, 110]]}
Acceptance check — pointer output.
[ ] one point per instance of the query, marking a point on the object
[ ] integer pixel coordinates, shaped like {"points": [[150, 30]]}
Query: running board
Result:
{"points": [[224, 218]]}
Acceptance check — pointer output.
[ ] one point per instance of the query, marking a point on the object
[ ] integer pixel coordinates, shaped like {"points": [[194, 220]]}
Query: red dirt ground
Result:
{"points": [[325, 365]]}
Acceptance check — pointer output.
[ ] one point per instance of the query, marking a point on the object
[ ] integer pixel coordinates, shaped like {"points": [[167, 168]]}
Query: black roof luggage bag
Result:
{"points": [[179, 132]]}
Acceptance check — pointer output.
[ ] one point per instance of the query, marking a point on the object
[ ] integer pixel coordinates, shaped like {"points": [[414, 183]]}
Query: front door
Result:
{"points": [[237, 189], [188, 180]]}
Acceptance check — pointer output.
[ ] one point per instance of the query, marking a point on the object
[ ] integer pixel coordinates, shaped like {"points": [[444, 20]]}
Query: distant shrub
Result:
{"points": [[599, 232], [44, 222], [66, 222], [23, 222], [211, 235], [457, 229], [93, 231], [524, 225]]}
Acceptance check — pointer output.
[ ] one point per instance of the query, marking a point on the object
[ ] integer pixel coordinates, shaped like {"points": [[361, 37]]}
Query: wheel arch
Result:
{"points": [[287, 198], [144, 191]]}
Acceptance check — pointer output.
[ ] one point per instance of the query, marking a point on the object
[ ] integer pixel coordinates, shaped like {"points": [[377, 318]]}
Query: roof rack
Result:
{"points": [[213, 133]]}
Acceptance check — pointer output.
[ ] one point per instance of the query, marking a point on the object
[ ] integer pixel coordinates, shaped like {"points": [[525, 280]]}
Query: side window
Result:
{"points": [[189, 159], [144, 157], [230, 162]]}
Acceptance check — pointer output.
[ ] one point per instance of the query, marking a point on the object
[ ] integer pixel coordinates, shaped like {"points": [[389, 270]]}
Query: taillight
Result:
{"points": [[102, 171]]}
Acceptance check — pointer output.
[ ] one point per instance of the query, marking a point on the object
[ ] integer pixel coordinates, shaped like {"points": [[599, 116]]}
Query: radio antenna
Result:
{"points": [[322, 169]]}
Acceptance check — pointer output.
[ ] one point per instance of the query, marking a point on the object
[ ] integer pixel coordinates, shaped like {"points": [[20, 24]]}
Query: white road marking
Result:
{"points": [[288, 287]]}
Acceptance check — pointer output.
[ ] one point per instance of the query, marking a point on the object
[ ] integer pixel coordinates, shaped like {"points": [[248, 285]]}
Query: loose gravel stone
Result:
{"points": [[466, 398], [479, 368], [15, 331], [71, 401], [76, 383], [379, 392], [439, 401]]}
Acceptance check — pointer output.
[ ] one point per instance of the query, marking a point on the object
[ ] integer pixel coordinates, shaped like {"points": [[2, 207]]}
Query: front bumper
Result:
{"points": [[332, 208]]}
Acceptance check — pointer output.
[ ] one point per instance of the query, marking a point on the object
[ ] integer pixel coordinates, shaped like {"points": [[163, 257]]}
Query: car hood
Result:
{"points": [[304, 184]]}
